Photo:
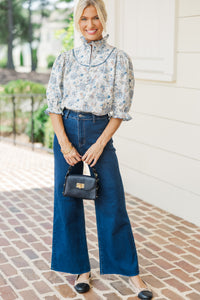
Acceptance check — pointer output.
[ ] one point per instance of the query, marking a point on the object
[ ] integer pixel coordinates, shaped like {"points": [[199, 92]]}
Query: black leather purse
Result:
{"points": [[81, 186]]}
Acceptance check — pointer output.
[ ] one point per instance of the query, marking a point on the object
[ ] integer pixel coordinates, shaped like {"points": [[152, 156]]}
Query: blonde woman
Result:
{"points": [[89, 94]]}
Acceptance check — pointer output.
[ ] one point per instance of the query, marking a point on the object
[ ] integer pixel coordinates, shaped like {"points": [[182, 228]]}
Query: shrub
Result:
{"points": [[35, 60], [39, 119], [48, 134], [21, 59], [66, 35], [50, 61], [1, 89], [3, 63], [21, 86]]}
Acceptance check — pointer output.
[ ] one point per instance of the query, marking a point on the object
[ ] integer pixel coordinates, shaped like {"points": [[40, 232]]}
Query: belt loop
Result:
{"points": [[67, 113], [93, 117]]}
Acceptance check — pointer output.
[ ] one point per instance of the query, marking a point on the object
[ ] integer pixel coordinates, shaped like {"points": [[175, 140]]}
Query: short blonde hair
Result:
{"points": [[100, 7]]}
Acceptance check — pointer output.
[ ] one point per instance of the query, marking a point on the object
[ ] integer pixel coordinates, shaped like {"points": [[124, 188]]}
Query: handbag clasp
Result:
{"points": [[80, 185]]}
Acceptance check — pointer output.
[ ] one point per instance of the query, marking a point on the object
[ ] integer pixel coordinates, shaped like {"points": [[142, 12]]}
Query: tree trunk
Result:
{"points": [[10, 64], [30, 29]]}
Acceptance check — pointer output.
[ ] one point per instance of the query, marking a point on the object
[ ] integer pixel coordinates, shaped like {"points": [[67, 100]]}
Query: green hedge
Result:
{"points": [[21, 86], [3, 63], [39, 119], [50, 61], [21, 59], [48, 134], [43, 130]]}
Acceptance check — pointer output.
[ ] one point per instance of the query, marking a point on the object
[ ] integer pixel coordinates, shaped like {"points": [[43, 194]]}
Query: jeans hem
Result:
{"points": [[67, 271], [119, 273]]}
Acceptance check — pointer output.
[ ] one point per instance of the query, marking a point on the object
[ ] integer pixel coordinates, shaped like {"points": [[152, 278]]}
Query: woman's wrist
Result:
{"points": [[66, 150], [102, 141]]}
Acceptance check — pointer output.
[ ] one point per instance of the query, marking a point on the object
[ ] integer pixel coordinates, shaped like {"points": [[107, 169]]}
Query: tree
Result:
{"points": [[13, 24], [66, 35], [10, 64], [42, 4], [30, 34], [17, 26]]}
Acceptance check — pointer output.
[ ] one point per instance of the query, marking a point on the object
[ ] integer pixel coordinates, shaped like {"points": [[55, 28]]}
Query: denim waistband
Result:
{"points": [[68, 113]]}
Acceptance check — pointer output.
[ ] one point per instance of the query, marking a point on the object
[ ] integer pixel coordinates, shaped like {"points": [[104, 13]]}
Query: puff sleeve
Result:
{"points": [[123, 87], [54, 91]]}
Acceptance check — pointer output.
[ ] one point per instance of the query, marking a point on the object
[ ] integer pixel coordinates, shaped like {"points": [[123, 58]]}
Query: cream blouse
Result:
{"points": [[95, 77]]}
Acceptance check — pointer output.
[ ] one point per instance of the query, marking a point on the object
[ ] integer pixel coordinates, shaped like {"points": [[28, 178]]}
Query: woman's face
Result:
{"points": [[90, 25]]}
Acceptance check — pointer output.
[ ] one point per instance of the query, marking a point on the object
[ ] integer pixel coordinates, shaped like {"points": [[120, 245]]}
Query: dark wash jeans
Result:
{"points": [[117, 251]]}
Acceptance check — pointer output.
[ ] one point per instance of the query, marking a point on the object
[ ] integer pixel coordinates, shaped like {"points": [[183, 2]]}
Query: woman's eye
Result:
{"points": [[84, 19]]}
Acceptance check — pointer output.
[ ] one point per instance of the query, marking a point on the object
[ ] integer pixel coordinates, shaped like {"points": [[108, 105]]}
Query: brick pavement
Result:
{"points": [[168, 246]]}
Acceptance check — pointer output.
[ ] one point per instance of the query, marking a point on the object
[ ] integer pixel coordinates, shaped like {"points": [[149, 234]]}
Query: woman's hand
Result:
{"points": [[72, 157], [93, 153], [70, 153]]}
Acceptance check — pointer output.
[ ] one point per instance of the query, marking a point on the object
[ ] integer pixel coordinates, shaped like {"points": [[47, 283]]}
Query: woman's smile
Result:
{"points": [[91, 31]]}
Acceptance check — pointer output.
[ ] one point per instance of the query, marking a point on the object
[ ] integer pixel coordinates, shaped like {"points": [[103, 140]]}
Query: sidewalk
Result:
{"points": [[168, 246]]}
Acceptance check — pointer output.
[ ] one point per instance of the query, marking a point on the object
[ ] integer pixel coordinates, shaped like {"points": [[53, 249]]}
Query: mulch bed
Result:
{"points": [[8, 75]]}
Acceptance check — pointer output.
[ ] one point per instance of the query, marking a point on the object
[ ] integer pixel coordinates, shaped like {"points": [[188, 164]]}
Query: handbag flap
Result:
{"points": [[82, 182]]}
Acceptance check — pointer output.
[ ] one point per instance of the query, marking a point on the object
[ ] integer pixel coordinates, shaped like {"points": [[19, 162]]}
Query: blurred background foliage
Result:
{"points": [[23, 101], [66, 35], [24, 87], [27, 98], [39, 119], [17, 26]]}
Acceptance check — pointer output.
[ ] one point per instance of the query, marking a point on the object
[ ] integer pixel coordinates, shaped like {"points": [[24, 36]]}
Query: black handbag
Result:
{"points": [[81, 186]]}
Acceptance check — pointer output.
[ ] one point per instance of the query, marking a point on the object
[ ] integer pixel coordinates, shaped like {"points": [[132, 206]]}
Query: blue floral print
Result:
{"points": [[95, 77]]}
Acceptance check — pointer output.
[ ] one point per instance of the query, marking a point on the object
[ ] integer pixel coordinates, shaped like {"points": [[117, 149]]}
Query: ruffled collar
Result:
{"points": [[95, 43], [93, 56]]}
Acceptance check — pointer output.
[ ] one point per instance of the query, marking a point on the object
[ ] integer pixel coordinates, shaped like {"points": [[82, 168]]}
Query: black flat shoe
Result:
{"points": [[82, 285], [142, 293]]}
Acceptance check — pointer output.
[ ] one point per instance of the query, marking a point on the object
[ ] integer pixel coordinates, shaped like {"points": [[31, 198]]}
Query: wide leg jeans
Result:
{"points": [[117, 251]]}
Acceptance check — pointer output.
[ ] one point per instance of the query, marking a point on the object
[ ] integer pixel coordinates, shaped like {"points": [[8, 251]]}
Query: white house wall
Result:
{"points": [[159, 149], [150, 26]]}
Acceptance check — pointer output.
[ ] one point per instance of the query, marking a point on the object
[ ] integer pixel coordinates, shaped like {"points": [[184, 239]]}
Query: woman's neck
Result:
{"points": [[89, 41]]}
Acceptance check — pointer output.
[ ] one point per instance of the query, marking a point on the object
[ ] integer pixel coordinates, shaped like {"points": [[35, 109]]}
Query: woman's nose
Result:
{"points": [[90, 24]]}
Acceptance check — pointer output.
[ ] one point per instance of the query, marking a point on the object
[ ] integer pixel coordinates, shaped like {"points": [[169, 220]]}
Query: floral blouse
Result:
{"points": [[95, 77]]}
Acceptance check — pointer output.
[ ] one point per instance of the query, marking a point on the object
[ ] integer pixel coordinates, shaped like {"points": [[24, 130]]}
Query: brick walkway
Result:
{"points": [[168, 247]]}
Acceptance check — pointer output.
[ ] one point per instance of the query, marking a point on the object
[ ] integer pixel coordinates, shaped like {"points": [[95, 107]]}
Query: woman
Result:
{"points": [[89, 94]]}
